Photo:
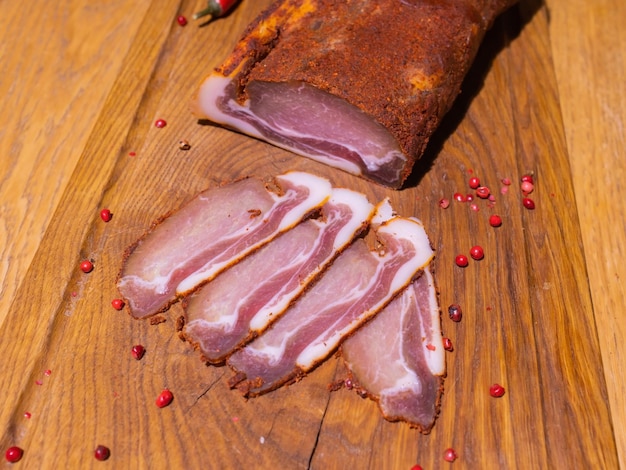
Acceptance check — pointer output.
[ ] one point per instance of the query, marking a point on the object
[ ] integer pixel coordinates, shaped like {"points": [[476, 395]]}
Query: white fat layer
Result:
{"points": [[407, 229], [435, 358], [214, 88], [319, 192]]}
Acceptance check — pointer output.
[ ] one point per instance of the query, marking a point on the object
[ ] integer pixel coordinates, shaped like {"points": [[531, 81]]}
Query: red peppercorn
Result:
{"points": [[138, 351], [102, 452], [455, 312], [496, 390], [182, 20], [461, 261], [477, 252], [160, 123], [527, 187], [417, 467], [458, 197], [118, 304], [164, 399], [527, 179], [528, 203], [105, 214], [450, 455], [474, 182], [132, 154], [444, 203], [13, 454], [506, 181], [495, 220], [27, 414], [86, 266], [483, 192], [447, 344]]}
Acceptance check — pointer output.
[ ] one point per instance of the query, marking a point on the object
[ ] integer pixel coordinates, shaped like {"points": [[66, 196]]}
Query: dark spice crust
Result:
{"points": [[400, 61]]}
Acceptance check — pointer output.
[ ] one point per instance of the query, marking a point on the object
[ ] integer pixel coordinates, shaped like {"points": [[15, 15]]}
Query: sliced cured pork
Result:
{"points": [[211, 232], [359, 283], [241, 302], [398, 358], [358, 85]]}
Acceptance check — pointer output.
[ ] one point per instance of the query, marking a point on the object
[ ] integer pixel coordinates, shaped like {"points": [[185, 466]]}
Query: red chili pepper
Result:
{"points": [[215, 9]]}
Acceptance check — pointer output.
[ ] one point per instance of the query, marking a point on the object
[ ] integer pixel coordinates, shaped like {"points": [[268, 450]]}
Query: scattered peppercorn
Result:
{"points": [[138, 351], [86, 266], [444, 203], [496, 390], [477, 252], [160, 123], [105, 214], [455, 312], [461, 261], [527, 187], [474, 182], [13, 454], [416, 467], [458, 197], [182, 20], [118, 304], [528, 203], [483, 192], [495, 220], [102, 452], [164, 399], [528, 178], [450, 455], [447, 344], [183, 145]]}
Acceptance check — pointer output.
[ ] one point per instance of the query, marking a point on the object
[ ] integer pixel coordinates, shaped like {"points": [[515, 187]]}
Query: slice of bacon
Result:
{"points": [[211, 232], [358, 284], [398, 358], [242, 301], [358, 85]]}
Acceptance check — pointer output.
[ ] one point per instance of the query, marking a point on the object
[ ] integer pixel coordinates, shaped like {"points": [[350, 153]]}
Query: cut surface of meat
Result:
{"points": [[398, 358], [243, 300], [354, 288], [211, 232], [358, 85]]}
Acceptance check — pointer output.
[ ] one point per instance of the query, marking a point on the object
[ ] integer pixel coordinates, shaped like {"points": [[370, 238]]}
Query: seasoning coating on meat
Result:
{"points": [[244, 300], [211, 232], [358, 284], [398, 359], [357, 84]]}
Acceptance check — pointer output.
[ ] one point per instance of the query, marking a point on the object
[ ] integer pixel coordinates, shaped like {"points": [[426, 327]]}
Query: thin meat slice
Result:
{"points": [[358, 85], [358, 284], [241, 302], [398, 358], [211, 232]]}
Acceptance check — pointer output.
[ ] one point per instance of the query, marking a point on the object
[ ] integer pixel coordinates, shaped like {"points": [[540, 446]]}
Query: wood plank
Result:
{"points": [[528, 315], [589, 43]]}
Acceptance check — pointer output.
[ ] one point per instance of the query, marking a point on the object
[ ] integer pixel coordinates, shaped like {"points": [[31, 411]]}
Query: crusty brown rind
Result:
{"points": [[400, 61]]}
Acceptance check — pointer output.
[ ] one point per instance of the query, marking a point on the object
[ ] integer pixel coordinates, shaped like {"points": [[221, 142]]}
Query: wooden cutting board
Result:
{"points": [[528, 320]]}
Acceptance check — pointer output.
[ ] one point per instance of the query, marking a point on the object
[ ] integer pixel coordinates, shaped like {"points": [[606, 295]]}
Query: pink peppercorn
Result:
{"points": [[528, 203], [447, 344], [164, 399], [138, 351], [102, 453], [105, 214], [506, 181], [86, 266], [474, 182], [495, 220], [13, 454], [160, 123], [455, 313], [182, 20], [527, 187], [444, 203], [527, 179], [117, 304], [461, 261], [477, 252], [458, 197], [450, 455], [416, 467], [483, 192], [496, 390]]}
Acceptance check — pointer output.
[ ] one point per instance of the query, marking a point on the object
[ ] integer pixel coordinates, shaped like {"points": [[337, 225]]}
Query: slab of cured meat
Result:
{"points": [[213, 231], [355, 288], [244, 300], [358, 85], [398, 358]]}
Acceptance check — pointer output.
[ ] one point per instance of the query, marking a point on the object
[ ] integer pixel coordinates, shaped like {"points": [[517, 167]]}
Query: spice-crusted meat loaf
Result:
{"points": [[358, 84]]}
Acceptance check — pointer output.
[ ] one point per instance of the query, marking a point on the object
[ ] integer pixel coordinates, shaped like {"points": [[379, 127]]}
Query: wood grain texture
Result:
{"points": [[589, 43], [529, 319]]}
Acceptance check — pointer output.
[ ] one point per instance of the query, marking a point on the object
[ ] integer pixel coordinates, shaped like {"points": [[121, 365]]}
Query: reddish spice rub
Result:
{"points": [[401, 63]]}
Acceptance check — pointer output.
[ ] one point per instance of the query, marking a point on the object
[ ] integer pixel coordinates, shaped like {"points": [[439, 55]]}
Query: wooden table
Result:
{"points": [[81, 85]]}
